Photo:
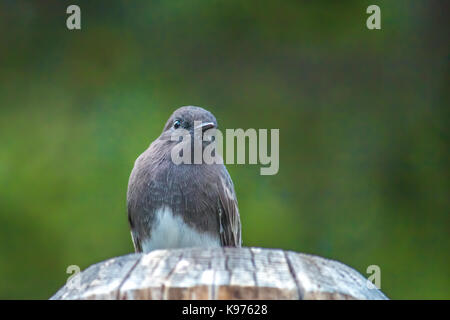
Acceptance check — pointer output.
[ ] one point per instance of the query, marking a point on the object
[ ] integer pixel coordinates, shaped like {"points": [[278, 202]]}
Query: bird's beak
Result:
{"points": [[205, 126]]}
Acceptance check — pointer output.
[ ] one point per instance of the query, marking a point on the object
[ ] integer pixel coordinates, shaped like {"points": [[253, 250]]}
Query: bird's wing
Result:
{"points": [[134, 235], [136, 242], [230, 222]]}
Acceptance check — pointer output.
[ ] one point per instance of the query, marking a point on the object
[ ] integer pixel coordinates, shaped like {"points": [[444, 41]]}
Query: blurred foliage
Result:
{"points": [[363, 118]]}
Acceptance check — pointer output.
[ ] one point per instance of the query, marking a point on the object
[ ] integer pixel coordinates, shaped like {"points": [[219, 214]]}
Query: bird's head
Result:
{"points": [[189, 128], [189, 119]]}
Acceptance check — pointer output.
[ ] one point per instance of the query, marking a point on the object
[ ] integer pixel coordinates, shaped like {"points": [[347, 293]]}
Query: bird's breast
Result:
{"points": [[169, 230]]}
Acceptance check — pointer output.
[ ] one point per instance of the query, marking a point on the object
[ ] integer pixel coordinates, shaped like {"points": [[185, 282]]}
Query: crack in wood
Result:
{"points": [[300, 290], [164, 292], [127, 276], [252, 255]]}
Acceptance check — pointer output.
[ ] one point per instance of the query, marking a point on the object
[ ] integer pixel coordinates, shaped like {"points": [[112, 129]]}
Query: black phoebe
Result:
{"points": [[181, 205]]}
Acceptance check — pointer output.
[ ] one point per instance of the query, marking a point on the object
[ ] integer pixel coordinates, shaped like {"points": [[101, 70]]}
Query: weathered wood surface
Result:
{"points": [[228, 273]]}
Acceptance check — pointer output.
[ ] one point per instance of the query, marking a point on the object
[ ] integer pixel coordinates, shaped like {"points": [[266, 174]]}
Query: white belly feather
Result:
{"points": [[169, 231]]}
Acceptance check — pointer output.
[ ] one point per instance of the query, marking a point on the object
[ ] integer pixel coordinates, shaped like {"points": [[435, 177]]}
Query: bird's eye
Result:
{"points": [[176, 124]]}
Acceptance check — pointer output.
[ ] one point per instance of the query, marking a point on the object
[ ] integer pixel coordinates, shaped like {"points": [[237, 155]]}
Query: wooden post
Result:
{"points": [[224, 273]]}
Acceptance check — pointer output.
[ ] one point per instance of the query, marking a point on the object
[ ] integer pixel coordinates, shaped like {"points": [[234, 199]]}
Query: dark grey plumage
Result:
{"points": [[201, 195]]}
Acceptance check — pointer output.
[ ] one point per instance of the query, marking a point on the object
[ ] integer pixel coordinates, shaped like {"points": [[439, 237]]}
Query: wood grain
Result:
{"points": [[227, 273]]}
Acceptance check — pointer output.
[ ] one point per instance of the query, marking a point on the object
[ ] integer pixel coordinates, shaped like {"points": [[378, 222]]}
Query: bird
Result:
{"points": [[181, 205]]}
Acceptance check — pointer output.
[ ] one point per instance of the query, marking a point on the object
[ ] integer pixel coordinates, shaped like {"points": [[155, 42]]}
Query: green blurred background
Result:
{"points": [[363, 118]]}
